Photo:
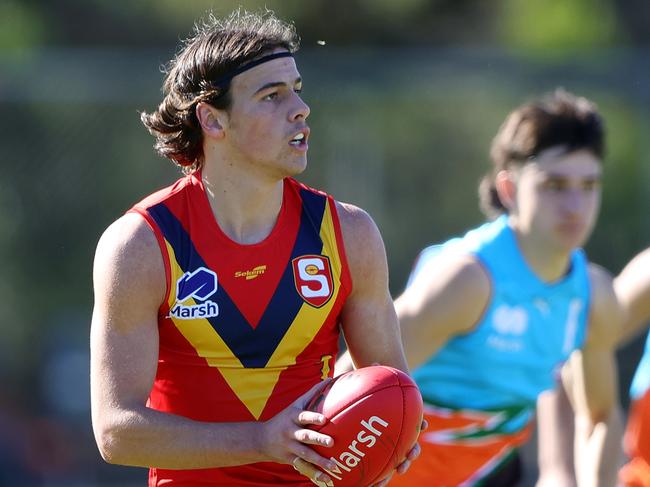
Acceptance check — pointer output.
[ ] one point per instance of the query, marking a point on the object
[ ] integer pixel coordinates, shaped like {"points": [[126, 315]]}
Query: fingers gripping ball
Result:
{"points": [[374, 415]]}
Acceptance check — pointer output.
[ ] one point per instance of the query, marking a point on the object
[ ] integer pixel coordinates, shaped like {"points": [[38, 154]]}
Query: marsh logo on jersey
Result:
{"points": [[200, 285], [510, 323], [510, 320], [312, 275]]}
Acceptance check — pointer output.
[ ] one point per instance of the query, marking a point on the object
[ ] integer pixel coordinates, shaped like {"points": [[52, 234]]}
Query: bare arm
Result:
{"points": [[129, 284], [448, 299], [368, 319], [555, 426], [559, 436], [593, 388], [632, 287]]}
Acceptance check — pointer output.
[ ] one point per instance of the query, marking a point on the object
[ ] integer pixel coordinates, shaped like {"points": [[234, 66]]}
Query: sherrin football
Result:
{"points": [[374, 416]]}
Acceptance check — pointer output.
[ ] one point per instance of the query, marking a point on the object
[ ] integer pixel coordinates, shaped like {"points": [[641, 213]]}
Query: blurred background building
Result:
{"points": [[405, 97]]}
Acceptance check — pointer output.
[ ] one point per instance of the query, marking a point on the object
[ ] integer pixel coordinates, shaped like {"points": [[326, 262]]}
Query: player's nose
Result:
{"points": [[300, 109]]}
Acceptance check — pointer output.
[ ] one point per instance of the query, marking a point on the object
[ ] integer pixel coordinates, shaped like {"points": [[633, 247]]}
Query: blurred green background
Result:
{"points": [[405, 97]]}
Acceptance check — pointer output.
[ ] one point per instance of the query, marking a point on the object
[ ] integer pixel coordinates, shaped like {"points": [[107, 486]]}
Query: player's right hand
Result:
{"points": [[285, 439]]}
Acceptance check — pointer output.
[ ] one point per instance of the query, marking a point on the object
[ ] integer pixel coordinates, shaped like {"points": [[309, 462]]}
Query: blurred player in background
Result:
{"points": [[488, 319], [633, 290], [632, 287], [218, 300]]}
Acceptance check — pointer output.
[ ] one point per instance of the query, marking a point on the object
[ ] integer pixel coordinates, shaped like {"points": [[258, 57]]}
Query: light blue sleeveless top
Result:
{"points": [[527, 331], [641, 381]]}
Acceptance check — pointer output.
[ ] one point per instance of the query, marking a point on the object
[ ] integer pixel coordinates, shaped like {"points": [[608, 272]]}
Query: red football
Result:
{"points": [[374, 416]]}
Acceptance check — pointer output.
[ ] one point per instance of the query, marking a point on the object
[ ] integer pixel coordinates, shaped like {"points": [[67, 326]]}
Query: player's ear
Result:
{"points": [[504, 182], [210, 120]]}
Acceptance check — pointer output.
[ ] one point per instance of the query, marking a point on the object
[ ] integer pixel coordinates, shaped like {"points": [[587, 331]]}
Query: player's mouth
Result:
{"points": [[573, 230], [299, 140], [572, 226]]}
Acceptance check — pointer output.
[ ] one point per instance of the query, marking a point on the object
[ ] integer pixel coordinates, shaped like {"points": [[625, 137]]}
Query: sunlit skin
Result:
{"points": [[552, 202], [266, 113], [553, 205], [251, 147]]}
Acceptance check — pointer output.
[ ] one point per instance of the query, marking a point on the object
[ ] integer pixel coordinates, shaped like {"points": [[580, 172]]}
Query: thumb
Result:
{"points": [[312, 393]]}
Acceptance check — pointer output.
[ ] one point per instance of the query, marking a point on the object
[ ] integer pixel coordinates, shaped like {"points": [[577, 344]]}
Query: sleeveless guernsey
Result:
{"points": [[527, 331], [481, 387], [244, 329]]}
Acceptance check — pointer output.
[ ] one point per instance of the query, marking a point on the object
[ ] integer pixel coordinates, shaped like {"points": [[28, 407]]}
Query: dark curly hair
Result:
{"points": [[559, 119], [217, 47]]}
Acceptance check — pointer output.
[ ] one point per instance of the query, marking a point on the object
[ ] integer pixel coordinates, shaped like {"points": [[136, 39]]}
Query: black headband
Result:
{"points": [[226, 78]]}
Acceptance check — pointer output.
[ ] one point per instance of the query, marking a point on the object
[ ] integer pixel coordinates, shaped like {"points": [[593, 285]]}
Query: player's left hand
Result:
{"points": [[309, 470], [411, 455]]}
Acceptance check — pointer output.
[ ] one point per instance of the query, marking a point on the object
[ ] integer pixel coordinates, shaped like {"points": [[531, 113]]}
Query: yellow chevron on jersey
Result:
{"points": [[254, 383], [304, 326]]}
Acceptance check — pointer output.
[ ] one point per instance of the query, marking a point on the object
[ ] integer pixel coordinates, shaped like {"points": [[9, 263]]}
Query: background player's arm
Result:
{"points": [[447, 298], [632, 288], [555, 438], [129, 284], [591, 378]]}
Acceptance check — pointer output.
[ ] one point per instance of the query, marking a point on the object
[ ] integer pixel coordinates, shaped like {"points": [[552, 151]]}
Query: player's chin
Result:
{"points": [[297, 165], [573, 235], [570, 241]]}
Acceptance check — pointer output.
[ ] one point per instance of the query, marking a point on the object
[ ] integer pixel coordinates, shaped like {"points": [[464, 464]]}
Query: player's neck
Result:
{"points": [[246, 206], [548, 263]]}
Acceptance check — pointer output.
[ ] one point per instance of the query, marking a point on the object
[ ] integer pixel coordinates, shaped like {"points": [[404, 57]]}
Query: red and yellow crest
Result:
{"points": [[312, 275]]}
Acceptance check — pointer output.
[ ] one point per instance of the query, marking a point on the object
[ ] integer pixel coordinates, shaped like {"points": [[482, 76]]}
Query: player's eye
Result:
{"points": [[554, 185]]}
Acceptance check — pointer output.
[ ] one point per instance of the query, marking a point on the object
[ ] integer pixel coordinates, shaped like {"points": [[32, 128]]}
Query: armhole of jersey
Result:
{"points": [[165, 255], [346, 279], [488, 304]]}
